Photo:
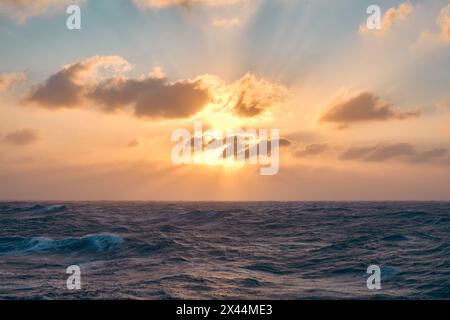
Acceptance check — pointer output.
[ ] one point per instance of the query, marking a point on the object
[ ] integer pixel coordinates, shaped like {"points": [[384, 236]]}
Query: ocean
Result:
{"points": [[229, 250]]}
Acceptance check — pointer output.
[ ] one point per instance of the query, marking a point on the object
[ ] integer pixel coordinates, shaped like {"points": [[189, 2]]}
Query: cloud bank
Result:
{"points": [[150, 96]]}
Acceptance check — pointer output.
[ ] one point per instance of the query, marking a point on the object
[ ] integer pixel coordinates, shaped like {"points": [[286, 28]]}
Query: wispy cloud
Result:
{"points": [[8, 80], [158, 4], [133, 143], [222, 14], [22, 10], [388, 151], [436, 39], [313, 149], [22, 137], [226, 23]]}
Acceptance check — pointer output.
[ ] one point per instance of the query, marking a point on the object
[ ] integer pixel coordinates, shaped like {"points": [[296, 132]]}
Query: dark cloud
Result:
{"points": [[364, 107], [383, 152], [78, 84], [58, 91], [312, 150], [22, 137], [152, 97], [67, 87]]}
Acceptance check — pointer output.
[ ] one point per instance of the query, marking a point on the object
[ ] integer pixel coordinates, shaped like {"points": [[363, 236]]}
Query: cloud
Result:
{"points": [[431, 154], [392, 16], [151, 96], [159, 4], [21, 10], [226, 23], [282, 143], [22, 137], [312, 150], [444, 23], [133, 143], [8, 80], [431, 40], [219, 146], [250, 96], [226, 14], [386, 151], [60, 90], [66, 88], [362, 108]]}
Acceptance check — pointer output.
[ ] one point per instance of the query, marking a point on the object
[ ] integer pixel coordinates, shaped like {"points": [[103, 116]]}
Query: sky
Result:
{"points": [[88, 114]]}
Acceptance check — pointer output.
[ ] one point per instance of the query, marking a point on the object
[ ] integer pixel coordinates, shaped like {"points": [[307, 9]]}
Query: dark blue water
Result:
{"points": [[294, 250]]}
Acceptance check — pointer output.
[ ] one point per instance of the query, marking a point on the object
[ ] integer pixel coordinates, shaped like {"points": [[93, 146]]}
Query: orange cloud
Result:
{"points": [[250, 96], [392, 16], [387, 151], [153, 96], [158, 4], [133, 143], [8, 80], [237, 14], [21, 10], [428, 39], [22, 137], [313, 149], [444, 23], [226, 23]]}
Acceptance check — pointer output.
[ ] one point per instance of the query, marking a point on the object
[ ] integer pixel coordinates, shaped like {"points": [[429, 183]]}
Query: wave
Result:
{"points": [[17, 246], [395, 237], [33, 208], [229, 250], [326, 209], [55, 208]]}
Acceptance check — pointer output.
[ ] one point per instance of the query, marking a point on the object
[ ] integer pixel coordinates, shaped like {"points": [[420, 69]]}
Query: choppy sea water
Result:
{"points": [[273, 250]]}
